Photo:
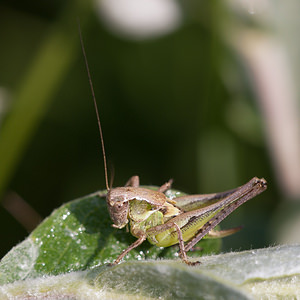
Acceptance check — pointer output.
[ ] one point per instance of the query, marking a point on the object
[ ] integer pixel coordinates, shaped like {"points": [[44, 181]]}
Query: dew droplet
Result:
{"points": [[64, 216]]}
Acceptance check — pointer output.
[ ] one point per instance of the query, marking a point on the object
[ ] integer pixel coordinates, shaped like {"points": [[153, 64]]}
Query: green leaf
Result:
{"points": [[67, 256], [79, 236], [271, 273]]}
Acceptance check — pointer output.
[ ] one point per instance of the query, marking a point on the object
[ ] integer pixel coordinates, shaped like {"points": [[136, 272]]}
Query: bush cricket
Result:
{"points": [[164, 222]]}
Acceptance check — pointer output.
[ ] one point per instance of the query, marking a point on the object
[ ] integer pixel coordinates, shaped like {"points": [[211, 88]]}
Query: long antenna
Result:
{"points": [[95, 104]]}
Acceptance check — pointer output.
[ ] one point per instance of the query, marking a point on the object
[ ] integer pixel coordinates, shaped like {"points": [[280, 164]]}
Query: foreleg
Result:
{"points": [[138, 242]]}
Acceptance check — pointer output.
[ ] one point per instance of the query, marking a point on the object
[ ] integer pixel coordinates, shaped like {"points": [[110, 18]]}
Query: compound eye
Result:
{"points": [[118, 205]]}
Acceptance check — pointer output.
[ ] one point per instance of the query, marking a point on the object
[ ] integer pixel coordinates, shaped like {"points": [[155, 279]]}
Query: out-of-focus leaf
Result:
{"points": [[56, 54]]}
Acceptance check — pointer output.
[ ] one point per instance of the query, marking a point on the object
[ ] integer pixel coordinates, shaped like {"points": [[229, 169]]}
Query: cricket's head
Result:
{"points": [[118, 209]]}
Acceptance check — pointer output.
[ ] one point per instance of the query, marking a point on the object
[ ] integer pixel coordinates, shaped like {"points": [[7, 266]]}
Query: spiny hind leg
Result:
{"points": [[182, 248]]}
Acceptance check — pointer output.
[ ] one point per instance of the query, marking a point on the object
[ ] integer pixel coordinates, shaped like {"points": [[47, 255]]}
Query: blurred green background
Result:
{"points": [[178, 103]]}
